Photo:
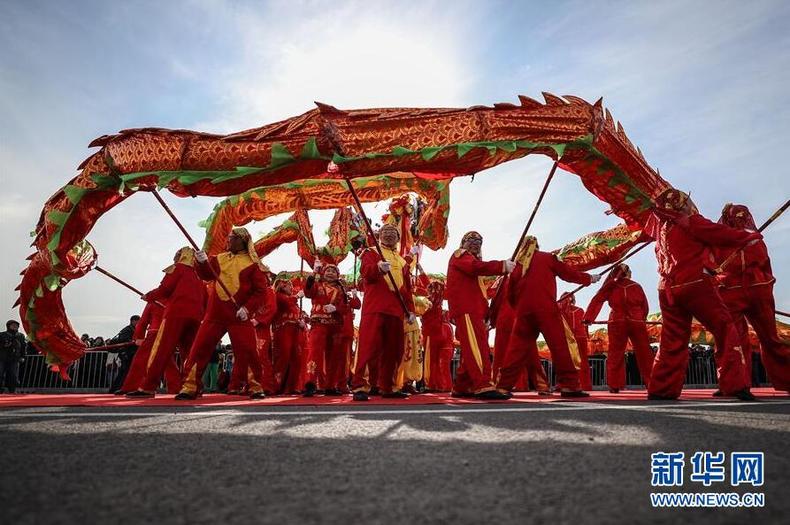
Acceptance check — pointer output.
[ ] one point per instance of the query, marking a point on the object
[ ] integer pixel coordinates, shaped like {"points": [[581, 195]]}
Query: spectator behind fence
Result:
{"points": [[125, 353], [12, 352]]}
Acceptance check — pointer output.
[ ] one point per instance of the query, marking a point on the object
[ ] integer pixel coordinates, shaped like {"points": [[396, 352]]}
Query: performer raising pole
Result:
{"points": [[491, 314], [193, 243]]}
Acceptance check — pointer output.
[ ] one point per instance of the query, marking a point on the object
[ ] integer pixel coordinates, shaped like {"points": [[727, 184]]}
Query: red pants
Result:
{"points": [[326, 366], [240, 377], [756, 303], [523, 349], [136, 375], [533, 370], [619, 334], [438, 354], [381, 340], [242, 338], [701, 301], [585, 374], [286, 359], [474, 371], [173, 332]]}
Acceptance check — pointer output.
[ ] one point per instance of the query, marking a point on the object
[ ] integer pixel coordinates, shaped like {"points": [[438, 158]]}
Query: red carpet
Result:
{"points": [[222, 400]]}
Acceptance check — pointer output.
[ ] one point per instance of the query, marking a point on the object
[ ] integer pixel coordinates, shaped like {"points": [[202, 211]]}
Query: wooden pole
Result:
{"points": [[494, 306], [194, 245], [611, 266]]}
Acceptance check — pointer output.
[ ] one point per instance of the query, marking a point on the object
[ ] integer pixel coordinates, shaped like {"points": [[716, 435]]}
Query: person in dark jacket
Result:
{"points": [[12, 352], [125, 353]]}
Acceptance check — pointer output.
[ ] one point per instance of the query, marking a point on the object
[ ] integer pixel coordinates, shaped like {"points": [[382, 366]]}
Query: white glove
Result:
{"points": [[330, 308], [201, 256], [355, 294], [411, 318], [416, 249], [242, 314], [595, 278], [509, 266], [299, 294], [302, 324], [384, 266], [254, 322]]}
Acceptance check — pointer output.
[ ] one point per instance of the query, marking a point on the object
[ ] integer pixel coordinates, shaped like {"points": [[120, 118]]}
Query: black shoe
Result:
{"points": [[234, 392], [258, 395], [375, 391], [574, 393], [545, 393], [140, 394], [119, 393], [332, 392], [309, 390], [657, 397], [494, 395], [185, 396], [395, 395], [717, 393], [745, 395], [614, 390], [360, 396], [461, 394]]}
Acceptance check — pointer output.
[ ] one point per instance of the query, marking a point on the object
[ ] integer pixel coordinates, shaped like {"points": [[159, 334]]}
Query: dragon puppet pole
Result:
{"points": [[784, 314], [369, 228], [490, 316], [767, 223], [607, 322], [122, 282], [119, 281], [611, 267], [194, 244], [301, 276]]}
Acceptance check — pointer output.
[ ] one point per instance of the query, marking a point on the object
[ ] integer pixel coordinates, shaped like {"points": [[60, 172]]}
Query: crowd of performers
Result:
{"points": [[280, 350]]}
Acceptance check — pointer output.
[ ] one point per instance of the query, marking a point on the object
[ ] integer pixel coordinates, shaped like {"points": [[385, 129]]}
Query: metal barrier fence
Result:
{"points": [[90, 373]]}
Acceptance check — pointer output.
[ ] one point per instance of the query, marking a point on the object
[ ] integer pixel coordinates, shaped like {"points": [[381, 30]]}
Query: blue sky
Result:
{"points": [[699, 86]]}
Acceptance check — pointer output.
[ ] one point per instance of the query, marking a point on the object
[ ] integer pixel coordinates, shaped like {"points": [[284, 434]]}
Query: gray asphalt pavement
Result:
{"points": [[558, 463]]}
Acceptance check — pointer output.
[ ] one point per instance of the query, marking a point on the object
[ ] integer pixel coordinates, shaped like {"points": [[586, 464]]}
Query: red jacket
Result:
{"points": [[574, 316], [379, 299], [536, 291], [287, 310], [750, 267], [265, 314], [682, 247], [465, 292], [240, 268], [432, 321], [182, 292], [149, 321], [626, 299], [322, 293]]}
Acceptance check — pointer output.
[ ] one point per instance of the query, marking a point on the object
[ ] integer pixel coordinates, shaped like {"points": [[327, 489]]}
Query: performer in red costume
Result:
{"points": [[574, 317], [532, 292], [381, 324], [746, 284], [532, 376], [685, 291], [241, 379], [326, 366], [288, 329], [184, 296], [240, 270], [627, 318], [436, 371], [144, 337], [468, 302]]}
